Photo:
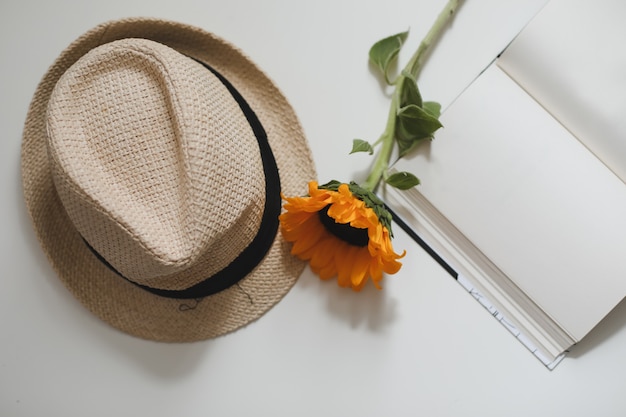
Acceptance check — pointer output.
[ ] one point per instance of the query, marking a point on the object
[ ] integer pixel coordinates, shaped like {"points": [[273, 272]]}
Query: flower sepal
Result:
{"points": [[370, 199]]}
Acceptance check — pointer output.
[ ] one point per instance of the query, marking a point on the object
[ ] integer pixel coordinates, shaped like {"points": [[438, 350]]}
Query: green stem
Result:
{"points": [[415, 63], [384, 154], [413, 67]]}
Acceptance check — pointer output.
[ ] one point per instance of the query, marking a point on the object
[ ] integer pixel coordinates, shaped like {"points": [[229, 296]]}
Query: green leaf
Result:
{"points": [[406, 146], [409, 93], [402, 180], [384, 52], [433, 108], [415, 123], [360, 145]]}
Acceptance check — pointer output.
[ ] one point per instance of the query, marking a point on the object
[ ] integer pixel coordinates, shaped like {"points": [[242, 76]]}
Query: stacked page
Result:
{"points": [[523, 190]]}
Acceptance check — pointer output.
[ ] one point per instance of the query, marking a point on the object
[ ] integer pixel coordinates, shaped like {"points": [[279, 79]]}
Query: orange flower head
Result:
{"points": [[343, 230]]}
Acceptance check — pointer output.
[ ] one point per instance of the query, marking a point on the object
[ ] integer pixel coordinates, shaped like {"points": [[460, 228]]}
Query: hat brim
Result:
{"points": [[112, 298]]}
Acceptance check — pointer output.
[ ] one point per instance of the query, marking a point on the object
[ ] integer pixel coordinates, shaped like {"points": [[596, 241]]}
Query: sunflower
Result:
{"points": [[343, 230]]}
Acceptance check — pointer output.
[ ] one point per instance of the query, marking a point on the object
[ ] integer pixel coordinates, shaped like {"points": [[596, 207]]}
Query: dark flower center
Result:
{"points": [[345, 232]]}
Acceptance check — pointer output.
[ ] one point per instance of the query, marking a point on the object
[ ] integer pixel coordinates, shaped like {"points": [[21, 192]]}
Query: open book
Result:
{"points": [[524, 189]]}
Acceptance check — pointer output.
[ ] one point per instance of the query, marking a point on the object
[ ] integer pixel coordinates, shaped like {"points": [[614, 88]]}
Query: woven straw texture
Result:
{"points": [[176, 203]]}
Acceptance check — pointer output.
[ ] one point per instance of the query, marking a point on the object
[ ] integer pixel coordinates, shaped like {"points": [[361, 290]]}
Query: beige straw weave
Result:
{"points": [[140, 151]]}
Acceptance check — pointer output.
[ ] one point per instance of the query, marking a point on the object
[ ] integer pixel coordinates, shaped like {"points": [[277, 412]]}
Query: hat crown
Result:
{"points": [[154, 163]]}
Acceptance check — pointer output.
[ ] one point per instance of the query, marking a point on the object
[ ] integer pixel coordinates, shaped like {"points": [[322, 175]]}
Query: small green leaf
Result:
{"points": [[360, 145], [433, 108], [402, 180], [415, 123], [383, 53], [410, 93]]}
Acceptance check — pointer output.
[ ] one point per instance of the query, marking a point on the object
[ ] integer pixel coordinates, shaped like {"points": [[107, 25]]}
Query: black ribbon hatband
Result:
{"points": [[254, 253]]}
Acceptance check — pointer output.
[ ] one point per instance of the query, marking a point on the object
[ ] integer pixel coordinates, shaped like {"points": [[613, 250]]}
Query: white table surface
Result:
{"points": [[420, 347]]}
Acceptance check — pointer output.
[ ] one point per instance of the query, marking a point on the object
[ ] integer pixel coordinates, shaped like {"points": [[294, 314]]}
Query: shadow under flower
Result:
{"points": [[372, 309]]}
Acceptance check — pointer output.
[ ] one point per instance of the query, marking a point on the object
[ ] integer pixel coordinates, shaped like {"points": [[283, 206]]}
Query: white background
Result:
{"points": [[420, 347]]}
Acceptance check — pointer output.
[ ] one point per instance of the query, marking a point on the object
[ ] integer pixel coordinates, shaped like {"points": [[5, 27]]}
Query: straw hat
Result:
{"points": [[153, 158]]}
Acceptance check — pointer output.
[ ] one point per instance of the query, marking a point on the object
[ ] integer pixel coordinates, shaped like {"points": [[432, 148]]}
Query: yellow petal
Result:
{"points": [[360, 268]]}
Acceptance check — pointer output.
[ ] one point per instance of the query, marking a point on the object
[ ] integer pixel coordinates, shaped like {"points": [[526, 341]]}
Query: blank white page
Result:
{"points": [[531, 197], [571, 58]]}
